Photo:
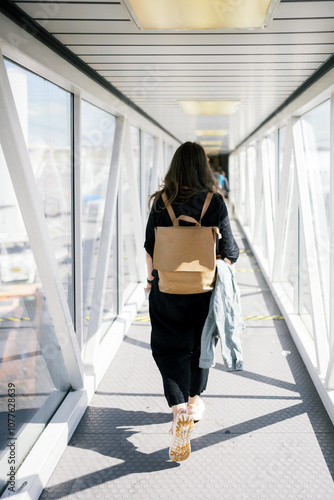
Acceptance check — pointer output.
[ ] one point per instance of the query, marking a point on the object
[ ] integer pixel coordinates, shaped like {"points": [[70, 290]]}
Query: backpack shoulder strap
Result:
{"points": [[171, 211], [206, 204], [169, 207]]}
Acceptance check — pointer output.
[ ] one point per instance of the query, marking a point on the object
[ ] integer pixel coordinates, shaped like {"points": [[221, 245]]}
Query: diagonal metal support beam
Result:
{"points": [[248, 213], [250, 195], [267, 200], [282, 205], [135, 205], [21, 172], [109, 218], [157, 160], [258, 194]]}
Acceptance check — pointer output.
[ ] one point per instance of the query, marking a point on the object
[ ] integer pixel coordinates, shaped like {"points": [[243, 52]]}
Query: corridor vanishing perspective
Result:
{"points": [[95, 97]]}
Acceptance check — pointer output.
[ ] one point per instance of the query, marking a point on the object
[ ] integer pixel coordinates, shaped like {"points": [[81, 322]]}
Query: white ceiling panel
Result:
{"points": [[57, 26], [68, 10], [175, 66], [202, 59], [198, 50], [302, 10], [157, 69], [176, 39], [114, 10], [156, 73]]}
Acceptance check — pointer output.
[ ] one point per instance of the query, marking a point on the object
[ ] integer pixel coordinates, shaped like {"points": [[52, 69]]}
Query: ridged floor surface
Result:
{"points": [[265, 433]]}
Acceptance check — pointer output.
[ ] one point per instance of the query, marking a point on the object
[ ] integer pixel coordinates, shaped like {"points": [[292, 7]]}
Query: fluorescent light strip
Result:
{"points": [[211, 133], [211, 143], [200, 14], [209, 107]]}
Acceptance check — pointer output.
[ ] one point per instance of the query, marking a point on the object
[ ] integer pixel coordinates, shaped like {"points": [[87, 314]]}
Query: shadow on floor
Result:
{"points": [[107, 431]]}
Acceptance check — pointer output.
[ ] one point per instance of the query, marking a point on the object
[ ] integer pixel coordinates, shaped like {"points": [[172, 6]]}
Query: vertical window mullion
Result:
{"points": [[77, 222]]}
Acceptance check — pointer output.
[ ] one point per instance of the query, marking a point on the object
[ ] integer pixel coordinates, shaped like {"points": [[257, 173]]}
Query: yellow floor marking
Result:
{"points": [[277, 316], [145, 318], [142, 318], [11, 318]]}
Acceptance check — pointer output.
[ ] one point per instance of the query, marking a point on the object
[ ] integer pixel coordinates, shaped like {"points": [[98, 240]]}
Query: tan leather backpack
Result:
{"points": [[185, 256]]}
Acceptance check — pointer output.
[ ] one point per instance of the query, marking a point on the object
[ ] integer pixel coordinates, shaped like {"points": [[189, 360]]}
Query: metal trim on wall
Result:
{"points": [[77, 193]]}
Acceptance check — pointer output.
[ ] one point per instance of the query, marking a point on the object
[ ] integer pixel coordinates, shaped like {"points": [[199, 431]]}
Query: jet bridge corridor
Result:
{"points": [[95, 97]]}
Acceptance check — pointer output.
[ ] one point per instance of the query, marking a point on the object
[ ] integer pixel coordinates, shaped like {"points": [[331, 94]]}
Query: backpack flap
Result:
{"points": [[185, 248]]}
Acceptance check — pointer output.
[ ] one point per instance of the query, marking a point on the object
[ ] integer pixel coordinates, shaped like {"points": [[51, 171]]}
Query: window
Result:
{"points": [[148, 170], [281, 139], [46, 118], [135, 144], [30, 354], [316, 141], [130, 254], [98, 130]]}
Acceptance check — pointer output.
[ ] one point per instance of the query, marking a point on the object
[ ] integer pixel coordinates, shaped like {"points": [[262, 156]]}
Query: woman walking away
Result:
{"points": [[177, 320]]}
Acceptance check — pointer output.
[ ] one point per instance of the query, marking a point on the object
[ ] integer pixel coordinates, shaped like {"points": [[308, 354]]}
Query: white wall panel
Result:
{"points": [[298, 277]]}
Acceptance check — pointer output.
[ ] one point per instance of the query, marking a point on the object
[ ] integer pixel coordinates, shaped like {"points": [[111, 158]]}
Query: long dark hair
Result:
{"points": [[189, 173]]}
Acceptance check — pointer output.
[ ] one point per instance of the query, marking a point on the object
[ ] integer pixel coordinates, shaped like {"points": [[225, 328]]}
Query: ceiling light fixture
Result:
{"points": [[212, 133], [212, 151], [209, 107], [211, 143], [200, 14]]}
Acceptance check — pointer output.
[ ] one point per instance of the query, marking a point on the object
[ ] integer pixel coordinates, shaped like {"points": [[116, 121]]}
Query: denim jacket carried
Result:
{"points": [[224, 322]]}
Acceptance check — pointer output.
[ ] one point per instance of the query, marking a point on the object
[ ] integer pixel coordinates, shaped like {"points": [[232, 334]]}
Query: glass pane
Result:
{"points": [[130, 254], [272, 170], [289, 257], [30, 362], [234, 172], [111, 289], [135, 143], [281, 139], [251, 166], [98, 129], [45, 114], [316, 136], [148, 168], [316, 140], [305, 305], [169, 154], [242, 192]]}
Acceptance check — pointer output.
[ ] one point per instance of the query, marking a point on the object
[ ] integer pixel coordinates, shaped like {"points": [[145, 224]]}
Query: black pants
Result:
{"points": [[177, 323]]}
